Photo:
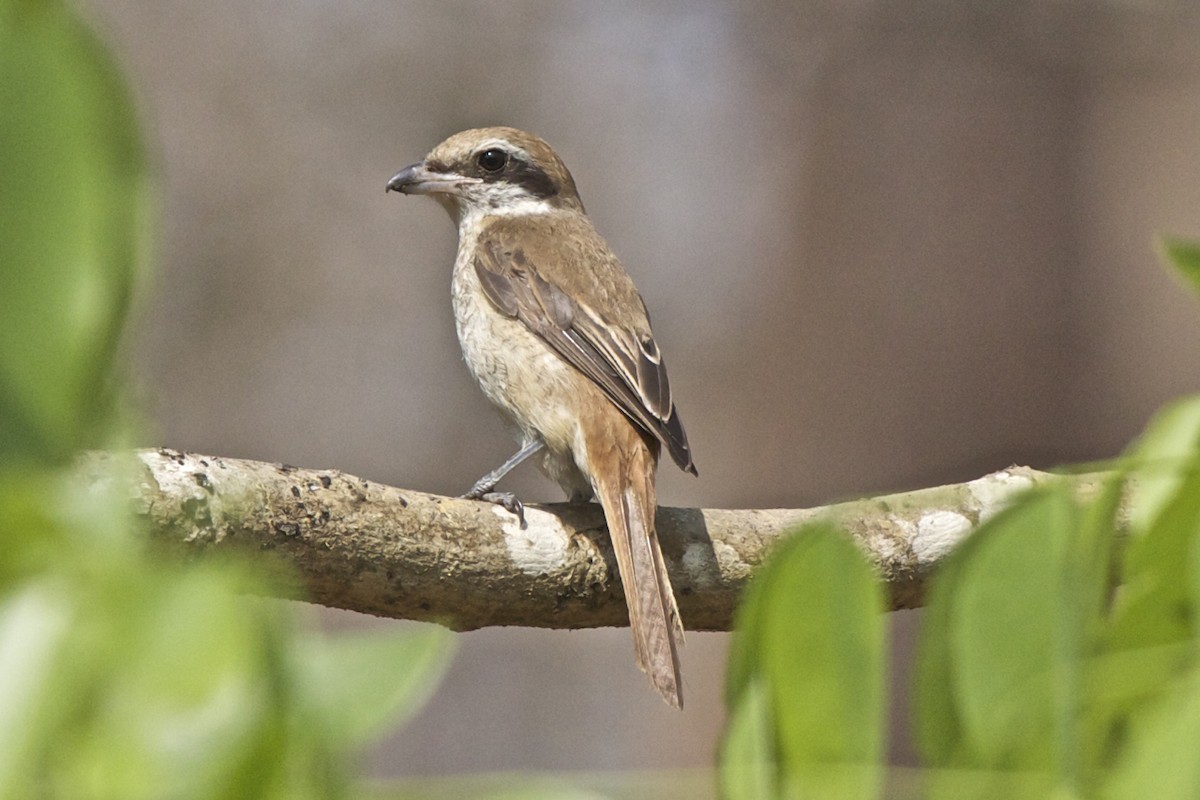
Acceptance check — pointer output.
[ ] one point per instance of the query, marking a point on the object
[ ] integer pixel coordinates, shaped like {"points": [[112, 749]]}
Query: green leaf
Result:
{"points": [[1160, 759], [72, 208], [811, 633], [1150, 639], [35, 626], [677, 785], [744, 653], [938, 726], [1012, 653], [1001, 658], [1096, 550], [367, 683], [1185, 257], [1163, 458], [175, 691], [1156, 607], [747, 760]]}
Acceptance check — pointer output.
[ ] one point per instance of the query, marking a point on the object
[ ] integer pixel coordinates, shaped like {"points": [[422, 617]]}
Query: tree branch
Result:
{"points": [[355, 544]]}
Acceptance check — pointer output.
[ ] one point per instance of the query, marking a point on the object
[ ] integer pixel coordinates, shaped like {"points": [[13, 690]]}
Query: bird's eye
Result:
{"points": [[492, 160]]}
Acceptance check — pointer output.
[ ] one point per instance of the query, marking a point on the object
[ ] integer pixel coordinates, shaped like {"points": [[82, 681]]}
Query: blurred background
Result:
{"points": [[885, 245]]}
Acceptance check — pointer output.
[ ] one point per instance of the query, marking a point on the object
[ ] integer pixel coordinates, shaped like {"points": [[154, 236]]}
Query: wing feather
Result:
{"points": [[628, 368]]}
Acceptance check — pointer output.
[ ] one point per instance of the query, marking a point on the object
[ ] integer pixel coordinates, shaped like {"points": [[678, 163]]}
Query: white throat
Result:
{"points": [[470, 215]]}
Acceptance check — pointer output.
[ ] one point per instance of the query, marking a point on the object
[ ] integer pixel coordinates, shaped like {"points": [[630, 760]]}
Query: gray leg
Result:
{"points": [[483, 488], [488, 482]]}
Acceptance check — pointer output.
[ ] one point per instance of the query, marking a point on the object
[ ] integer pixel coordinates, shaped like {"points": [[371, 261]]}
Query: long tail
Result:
{"points": [[626, 491]]}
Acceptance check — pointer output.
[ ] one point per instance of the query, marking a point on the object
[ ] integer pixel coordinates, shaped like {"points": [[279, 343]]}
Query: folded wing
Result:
{"points": [[626, 365]]}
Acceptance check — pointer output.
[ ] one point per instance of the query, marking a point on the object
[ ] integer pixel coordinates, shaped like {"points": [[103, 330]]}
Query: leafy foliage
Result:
{"points": [[74, 205], [1059, 657], [125, 677], [806, 677], [120, 676]]}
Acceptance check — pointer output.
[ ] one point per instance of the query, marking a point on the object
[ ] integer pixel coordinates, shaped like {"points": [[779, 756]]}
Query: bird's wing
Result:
{"points": [[626, 364]]}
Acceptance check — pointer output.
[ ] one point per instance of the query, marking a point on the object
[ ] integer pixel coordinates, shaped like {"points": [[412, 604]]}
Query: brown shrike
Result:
{"points": [[559, 339]]}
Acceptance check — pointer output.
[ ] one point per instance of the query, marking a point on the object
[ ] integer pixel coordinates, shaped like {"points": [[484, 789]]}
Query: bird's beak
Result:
{"points": [[417, 179]]}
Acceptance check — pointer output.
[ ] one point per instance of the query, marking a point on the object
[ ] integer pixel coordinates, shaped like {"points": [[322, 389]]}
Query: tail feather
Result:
{"points": [[628, 499]]}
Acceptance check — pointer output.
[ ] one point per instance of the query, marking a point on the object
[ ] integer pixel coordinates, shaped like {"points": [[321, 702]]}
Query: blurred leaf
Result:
{"points": [[155, 680], [811, 629], [745, 657], [187, 693], [1161, 760], [515, 786], [1185, 257], [747, 760], [1155, 605], [938, 725], [34, 628], [368, 682], [543, 790], [1151, 636], [1001, 660], [72, 208], [1164, 457], [1096, 552], [28, 529], [1014, 656], [123, 677]]}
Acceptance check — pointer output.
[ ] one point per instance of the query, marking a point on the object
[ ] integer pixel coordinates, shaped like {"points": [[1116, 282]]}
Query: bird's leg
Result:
{"points": [[488, 482], [484, 487]]}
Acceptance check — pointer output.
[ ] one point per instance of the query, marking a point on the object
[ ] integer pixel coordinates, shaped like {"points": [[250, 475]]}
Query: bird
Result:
{"points": [[559, 340]]}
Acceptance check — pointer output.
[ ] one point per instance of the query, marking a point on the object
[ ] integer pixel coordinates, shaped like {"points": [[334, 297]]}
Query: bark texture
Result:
{"points": [[347, 542]]}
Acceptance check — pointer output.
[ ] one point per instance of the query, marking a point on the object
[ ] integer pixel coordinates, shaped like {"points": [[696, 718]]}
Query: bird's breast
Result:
{"points": [[518, 372]]}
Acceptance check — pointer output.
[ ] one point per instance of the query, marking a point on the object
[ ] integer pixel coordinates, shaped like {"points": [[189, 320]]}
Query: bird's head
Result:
{"points": [[491, 171]]}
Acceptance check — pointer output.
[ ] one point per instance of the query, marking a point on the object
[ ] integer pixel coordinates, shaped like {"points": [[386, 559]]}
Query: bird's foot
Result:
{"points": [[506, 500], [485, 485]]}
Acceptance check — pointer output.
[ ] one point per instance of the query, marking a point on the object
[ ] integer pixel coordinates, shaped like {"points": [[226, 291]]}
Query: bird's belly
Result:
{"points": [[531, 385]]}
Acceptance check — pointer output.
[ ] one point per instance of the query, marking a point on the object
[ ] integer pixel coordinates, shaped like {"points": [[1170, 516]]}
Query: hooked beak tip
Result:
{"points": [[403, 179]]}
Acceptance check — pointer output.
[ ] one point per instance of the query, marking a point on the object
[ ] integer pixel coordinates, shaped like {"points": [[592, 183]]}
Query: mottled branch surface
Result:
{"points": [[352, 543]]}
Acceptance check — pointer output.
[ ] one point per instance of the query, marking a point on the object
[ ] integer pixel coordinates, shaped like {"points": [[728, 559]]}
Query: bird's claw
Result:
{"points": [[506, 500], [482, 486]]}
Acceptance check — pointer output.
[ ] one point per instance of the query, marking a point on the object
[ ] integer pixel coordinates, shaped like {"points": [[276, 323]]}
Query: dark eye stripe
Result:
{"points": [[532, 179]]}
